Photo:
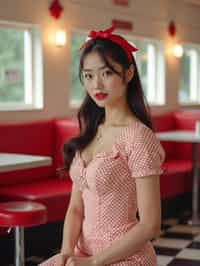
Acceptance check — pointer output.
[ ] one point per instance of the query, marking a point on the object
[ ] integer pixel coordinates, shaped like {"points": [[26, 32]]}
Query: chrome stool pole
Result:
{"points": [[19, 246]]}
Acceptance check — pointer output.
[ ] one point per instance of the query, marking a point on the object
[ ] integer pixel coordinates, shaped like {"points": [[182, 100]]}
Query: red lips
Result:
{"points": [[101, 95]]}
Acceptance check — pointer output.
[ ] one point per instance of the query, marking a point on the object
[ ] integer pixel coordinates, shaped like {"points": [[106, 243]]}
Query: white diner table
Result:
{"points": [[13, 161], [189, 137], [10, 162]]}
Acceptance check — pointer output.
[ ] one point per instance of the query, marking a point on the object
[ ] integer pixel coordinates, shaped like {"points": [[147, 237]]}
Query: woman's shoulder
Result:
{"points": [[138, 133], [141, 138], [137, 130]]}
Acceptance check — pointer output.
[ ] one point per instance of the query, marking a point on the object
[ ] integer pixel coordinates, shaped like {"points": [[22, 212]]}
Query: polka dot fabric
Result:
{"points": [[108, 190]]}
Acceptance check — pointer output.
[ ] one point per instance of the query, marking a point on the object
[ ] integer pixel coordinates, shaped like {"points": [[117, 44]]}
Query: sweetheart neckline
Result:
{"points": [[99, 154], [104, 153]]}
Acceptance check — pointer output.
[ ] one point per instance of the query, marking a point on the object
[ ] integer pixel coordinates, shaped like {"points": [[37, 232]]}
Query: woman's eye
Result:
{"points": [[107, 73], [87, 76]]}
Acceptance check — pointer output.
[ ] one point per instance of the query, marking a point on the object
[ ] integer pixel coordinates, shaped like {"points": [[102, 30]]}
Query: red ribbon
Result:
{"points": [[107, 34]]}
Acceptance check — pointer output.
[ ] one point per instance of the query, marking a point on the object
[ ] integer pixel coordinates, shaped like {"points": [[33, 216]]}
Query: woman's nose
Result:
{"points": [[98, 82]]}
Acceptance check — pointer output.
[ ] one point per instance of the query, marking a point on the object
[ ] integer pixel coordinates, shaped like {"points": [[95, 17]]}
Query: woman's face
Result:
{"points": [[103, 85]]}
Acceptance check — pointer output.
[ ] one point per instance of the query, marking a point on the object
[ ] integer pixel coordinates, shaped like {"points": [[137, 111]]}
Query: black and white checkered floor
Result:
{"points": [[178, 245]]}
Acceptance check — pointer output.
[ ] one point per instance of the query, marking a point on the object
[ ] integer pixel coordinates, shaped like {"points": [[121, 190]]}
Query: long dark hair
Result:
{"points": [[90, 115]]}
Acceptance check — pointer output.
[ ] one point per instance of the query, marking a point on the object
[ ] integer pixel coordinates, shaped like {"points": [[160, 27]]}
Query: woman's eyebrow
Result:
{"points": [[90, 70]]}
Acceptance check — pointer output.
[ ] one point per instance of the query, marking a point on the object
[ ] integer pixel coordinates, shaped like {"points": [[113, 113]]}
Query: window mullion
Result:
{"points": [[151, 75], [198, 77], [27, 68], [193, 75]]}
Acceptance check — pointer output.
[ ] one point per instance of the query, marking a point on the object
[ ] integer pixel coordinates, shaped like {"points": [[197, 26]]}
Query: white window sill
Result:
{"points": [[189, 104], [75, 105], [153, 104], [19, 108]]}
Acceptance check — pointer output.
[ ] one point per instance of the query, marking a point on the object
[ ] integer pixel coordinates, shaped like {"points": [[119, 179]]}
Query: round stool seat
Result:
{"points": [[22, 213]]}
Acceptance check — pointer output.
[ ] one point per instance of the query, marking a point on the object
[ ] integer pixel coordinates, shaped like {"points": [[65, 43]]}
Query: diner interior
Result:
{"points": [[40, 94]]}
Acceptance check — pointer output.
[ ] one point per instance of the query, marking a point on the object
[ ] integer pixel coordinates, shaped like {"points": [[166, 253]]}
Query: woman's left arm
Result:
{"points": [[149, 207]]}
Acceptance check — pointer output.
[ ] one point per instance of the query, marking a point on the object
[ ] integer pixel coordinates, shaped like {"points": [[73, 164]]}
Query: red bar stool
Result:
{"points": [[20, 214]]}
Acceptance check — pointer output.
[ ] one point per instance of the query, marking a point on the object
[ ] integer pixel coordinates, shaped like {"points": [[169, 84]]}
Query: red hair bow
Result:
{"points": [[107, 34], [102, 33]]}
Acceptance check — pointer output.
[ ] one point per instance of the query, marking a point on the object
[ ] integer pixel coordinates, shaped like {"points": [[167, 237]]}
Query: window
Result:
{"points": [[20, 67], [150, 61], [189, 85]]}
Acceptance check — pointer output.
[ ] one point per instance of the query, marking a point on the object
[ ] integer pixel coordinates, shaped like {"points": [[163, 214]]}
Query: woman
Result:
{"points": [[114, 163]]}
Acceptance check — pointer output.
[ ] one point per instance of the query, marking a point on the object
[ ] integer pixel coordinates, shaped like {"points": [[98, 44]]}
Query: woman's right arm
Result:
{"points": [[73, 222]]}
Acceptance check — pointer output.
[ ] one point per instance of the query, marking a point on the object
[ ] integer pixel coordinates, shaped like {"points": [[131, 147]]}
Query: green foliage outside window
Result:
{"points": [[11, 65]]}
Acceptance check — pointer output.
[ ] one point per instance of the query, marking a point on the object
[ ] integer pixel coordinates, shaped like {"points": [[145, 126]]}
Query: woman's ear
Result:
{"points": [[130, 73]]}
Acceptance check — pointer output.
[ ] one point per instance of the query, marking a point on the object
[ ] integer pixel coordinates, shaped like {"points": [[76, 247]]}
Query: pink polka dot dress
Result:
{"points": [[108, 190]]}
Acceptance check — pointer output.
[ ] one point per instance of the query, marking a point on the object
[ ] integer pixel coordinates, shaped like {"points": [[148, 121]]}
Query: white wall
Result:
{"points": [[150, 19]]}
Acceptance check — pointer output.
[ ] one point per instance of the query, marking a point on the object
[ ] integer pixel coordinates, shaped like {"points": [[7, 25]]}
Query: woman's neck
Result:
{"points": [[118, 117]]}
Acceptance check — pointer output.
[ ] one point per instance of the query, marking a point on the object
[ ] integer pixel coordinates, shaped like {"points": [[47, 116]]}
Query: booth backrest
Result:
{"points": [[165, 122], [65, 129], [36, 138], [185, 120]]}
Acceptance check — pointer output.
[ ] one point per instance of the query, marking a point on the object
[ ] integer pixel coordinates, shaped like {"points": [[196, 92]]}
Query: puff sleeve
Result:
{"points": [[146, 154]]}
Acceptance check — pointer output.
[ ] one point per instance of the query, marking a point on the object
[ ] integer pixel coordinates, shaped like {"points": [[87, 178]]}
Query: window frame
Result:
{"points": [[33, 66], [159, 90], [194, 79]]}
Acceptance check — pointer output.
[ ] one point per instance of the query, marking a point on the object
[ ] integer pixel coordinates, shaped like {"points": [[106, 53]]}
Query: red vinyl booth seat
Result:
{"points": [[46, 185], [43, 184]]}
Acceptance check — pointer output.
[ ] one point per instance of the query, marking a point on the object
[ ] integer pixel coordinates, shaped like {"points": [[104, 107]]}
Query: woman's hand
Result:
{"points": [[61, 259], [79, 261]]}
